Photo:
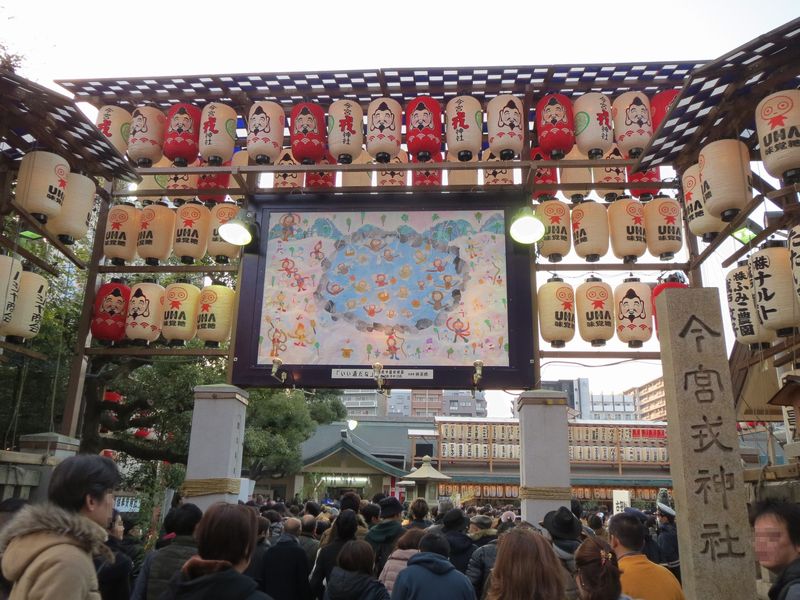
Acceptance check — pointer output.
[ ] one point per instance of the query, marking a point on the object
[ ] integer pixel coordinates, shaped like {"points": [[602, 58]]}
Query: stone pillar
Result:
{"points": [[215, 448], [713, 531], [544, 453]]}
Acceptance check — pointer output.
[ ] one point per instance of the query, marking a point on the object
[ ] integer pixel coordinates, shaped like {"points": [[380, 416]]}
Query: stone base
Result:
{"points": [[203, 502], [50, 444]]}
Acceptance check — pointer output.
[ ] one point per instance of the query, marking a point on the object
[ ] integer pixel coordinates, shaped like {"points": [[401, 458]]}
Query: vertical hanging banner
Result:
{"points": [[713, 530]]}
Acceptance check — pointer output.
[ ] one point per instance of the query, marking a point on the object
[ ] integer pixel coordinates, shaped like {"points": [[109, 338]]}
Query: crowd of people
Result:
{"points": [[76, 546]]}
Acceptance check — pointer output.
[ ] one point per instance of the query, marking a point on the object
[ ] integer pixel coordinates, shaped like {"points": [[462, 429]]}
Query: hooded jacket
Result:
{"points": [[396, 563], [430, 576], [382, 538], [212, 580], [350, 585], [565, 551], [483, 537], [461, 549], [47, 554]]}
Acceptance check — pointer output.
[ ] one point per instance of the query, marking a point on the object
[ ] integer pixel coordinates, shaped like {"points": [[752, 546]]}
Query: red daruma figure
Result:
{"points": [[110, 310], [308, 133], [427, 177], [555, 125], [423, 128], [181, 142], [544, 177]]}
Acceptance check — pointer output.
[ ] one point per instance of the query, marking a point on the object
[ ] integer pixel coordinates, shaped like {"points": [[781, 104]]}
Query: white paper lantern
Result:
{"points": [[192, 230], [556, 307], [177, 182], [626, 226], [219, 249], [146, 139], [215, 316], [773, 288], [42, 184], [10, 277], [115, 123], [594, 300], [701, 222], [747, 327], [287, 179], [594, 130], [181, 307], [590, 233], [575, 175], [393, 176], [778, 128], [662, 223], [384, 129], [145, 312], [612, 174], [345, 130], [496, 176], [794, 256], [73, 221], [217, 133], [467, 177], [725, 178], [633, 125], [556, 240], [122, 230], [156, 232], [26, 318], [265, 132], [464, 127], [634, 300], [506, 124]]}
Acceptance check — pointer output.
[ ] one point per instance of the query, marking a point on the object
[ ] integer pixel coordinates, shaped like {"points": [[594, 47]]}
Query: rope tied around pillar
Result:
{"points": [[206, 487], [545, 493]]}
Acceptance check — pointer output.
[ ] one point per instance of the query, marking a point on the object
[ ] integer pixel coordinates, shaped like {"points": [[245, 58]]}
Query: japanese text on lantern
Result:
{"points": [[762, 288], [740, 303]]}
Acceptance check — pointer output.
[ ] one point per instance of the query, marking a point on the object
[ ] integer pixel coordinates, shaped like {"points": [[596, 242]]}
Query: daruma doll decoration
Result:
{"points": [[594, 301], [464, 125], [575, 175], [122, 229], [115, 123], [662, 224], [660, 105], [10, 276], [590, 230], [177, 182], [384, 124], [345, 130], [265, 132], [494, 175], [110, 310], [156, 229], [285, 179], [42, 184], [626, 226], [427, 177], [28, 312], [73, 221], [181, 306], [182, 139], [594, 131], [641, 179], [612, 175], [423, 128], [633, 300], [322, 179], [545, 179], [308, 133], [673, 280], [212, 181], [778, 128], [145, 312], [394, 176], [701, 222], [505, 125], [556, 306], [218, 133], [215, 314], [633, 126], [746, 325], [773, 288], [725, 178], [146, 138], [555, 125], [555, 215], [192, 229], [219, 249]]}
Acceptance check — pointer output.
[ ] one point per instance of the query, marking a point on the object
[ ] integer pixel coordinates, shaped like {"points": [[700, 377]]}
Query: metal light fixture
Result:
{"points": [[525, 227], [241, 230]]}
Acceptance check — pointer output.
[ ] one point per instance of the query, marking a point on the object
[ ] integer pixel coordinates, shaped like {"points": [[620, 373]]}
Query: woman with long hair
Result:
{"points": [[407, 546], [598, 571], [526, 568]]}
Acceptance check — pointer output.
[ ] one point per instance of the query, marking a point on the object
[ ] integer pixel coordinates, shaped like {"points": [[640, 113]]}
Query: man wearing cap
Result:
{"points": [[565, 529], [461, 546], [481, 530], [668, 539], [385, 534], [650, 548]]}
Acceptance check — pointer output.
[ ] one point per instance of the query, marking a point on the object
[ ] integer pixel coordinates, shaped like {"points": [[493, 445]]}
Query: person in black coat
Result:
{"points": [[346, 528], [352, 578], [285, 571], [114, 578], [461, 547], [668, 539], [256, 567]]}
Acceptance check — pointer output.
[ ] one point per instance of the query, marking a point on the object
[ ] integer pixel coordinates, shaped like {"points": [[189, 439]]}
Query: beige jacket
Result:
{"points": [[47, 554]]}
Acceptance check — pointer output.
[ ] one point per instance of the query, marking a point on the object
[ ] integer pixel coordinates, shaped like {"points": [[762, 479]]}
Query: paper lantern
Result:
{"points": [[115, 123], [576, 175], [221, 250], [181, 307], [545, 179], [308, 133], [26, 319], [747, 327], [641, 179], [594, 131], [211, 181], [73, 221], [555, 125], [633, 300], [427, 177], [701, 222], [595, 315], [10, 277], [633, 125], [384, 129], [610, 174], [725, 178], [466, 177], [556, 307], [660, 105], [393, 176], [321, 179], [41, 184], [773, 288], [590, 230], [215, 316], [778, 128], [158, 182], [287, 179], [794, 256], [464, 127], [182, 138], [218, 133], [423, 128], [496, 176], [672, 281], [176, 182], [148, 125], [145, 312], [156, 232], [122, 230], [265, 132], [192, 230], [345, 130], [556, 242], [110, 311], [662, 224], [626, 226], [358, 178], [505, 124]]}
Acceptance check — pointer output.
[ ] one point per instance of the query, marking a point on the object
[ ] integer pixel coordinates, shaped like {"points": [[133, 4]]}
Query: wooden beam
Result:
{"points": [[588, 267], [762, 236], [168, 269], [13, 246], [155, 351], [41, 230], [25, 351], [600, 354]]}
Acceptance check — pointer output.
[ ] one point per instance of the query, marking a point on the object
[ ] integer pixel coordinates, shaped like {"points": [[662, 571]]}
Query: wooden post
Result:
{"points": [[713, 531]]}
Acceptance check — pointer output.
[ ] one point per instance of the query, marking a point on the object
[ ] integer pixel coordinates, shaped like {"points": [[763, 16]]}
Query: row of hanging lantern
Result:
{"points": [[23, 294], [146, 311]]}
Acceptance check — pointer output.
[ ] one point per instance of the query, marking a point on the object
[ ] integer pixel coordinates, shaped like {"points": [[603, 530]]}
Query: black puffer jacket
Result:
{"points": [[480, 565], [350, 585], [461, 549]]}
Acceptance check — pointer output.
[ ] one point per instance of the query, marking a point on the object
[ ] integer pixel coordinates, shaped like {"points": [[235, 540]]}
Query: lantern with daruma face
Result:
{"points": [[148, 125], [393, 176], [182, 138], [747, 327], [423, 128], [218, 133], [505, 124], [464, 127], [725, 178], [73, 221], [555, 125], [42, 184], [10, 276], [594, 131], [594, 302], [556, 307], [545, 179], [156, 233], [192, 230], [610, 174], [345, 130], [633, 300], [427, 177], [309, 145], [110, 311], [182, 181], [215, 315], [660, 105], [633, 125], [26, 320], [701, 222], [265, 132], [115, 123], [322, 179], [626, 226], [218, 248], [641, 179], [575, 175], [494, 175], [122, 230], [556, 240], [777, 303], [662, 224], [778, 128], [145, 312], [181, 306], [590, 230], [287, 179], [211, 181], [384, 125]]}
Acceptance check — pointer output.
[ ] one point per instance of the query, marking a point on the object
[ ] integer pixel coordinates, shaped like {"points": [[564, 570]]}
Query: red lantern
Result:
{"points": [[544, 176], [210, 181], [650, 176], [423, 128], [555, 125], [182, 139], [427, 177], [322, 179], [660, 105], [110, 309], [308, 133], [671, 281]]}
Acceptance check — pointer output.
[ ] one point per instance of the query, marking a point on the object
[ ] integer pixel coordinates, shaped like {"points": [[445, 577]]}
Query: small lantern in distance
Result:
{"points": [[286, 179], [423, 128], [181, 141], [643, 191], [427, 177], [555, 125], [308, 133]]}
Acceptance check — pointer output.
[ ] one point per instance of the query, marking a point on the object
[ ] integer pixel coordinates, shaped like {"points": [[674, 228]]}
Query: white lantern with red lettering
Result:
{"points": [[192, 230], [217, 133], [633, 300], [156, 232], [725, 176], [384, 129], [287, 179], [594, 300], [626, 226], [215, 316], [145, 312], [219, 249], [122, 230], [464, 127], [345, 130], [555, 215], [594, 131], [747, 327], [778, 128], [556, 307], [115, 123], [148, 126], [468, 177], [394, 176], [580, 176], [773, 288], [662, 224], [610, 174], [181, 307], [265, 132], [73, 221], [495, 175], [701, 222], [633, 125], [26, 318], [42, 184], [590, 230], [505, 124]]}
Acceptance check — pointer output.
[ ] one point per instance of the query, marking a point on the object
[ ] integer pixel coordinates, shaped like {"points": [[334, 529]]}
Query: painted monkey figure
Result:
{"points": [[278, 339], [436, 300], [459, 328]]}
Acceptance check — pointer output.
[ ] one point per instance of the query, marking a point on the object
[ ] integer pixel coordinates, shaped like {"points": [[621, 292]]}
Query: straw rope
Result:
{"points": [[205, 487], [544, 493]]}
